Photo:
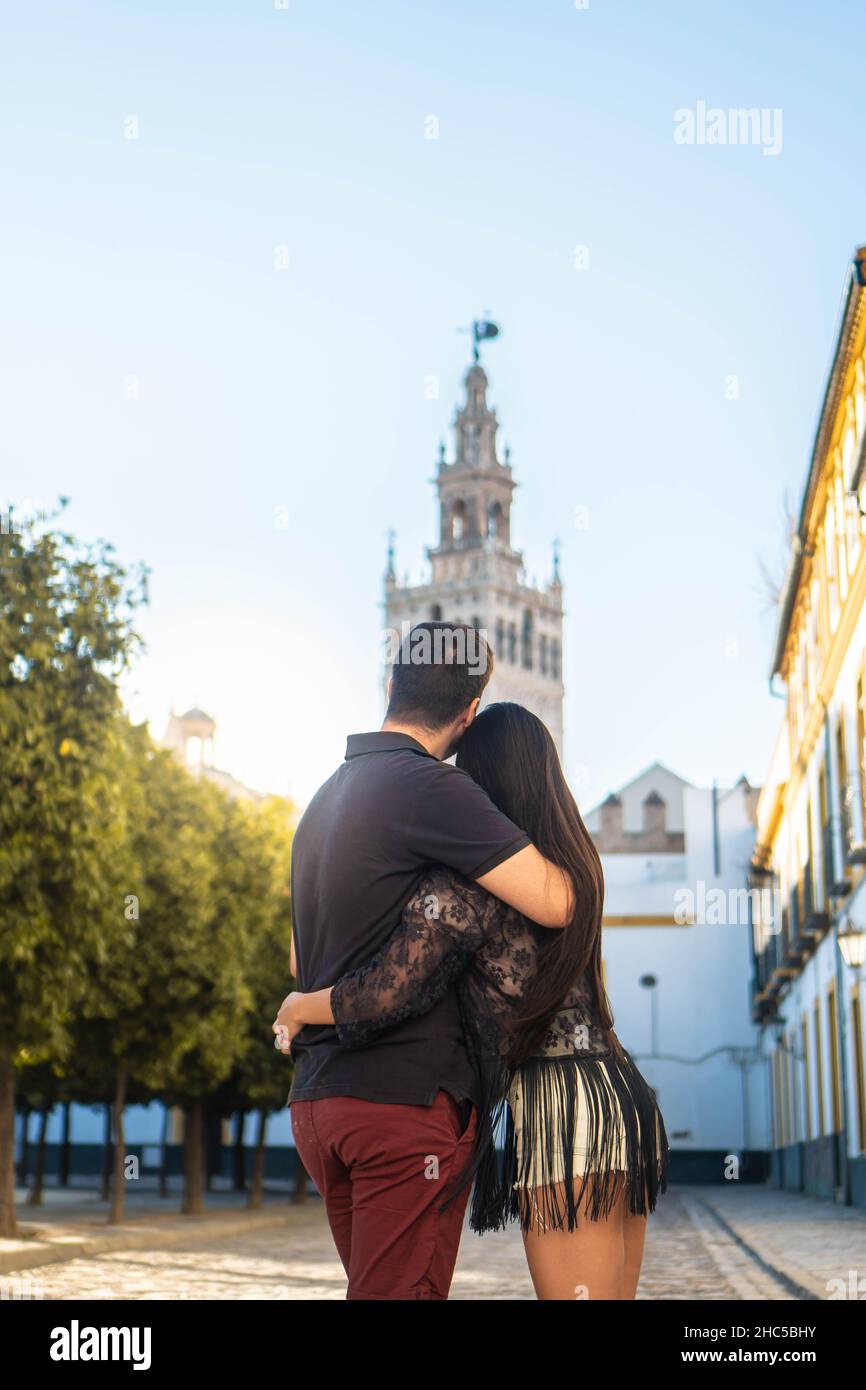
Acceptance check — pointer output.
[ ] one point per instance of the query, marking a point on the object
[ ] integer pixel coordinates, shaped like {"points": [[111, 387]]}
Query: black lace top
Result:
{"points": [[454, 930]]}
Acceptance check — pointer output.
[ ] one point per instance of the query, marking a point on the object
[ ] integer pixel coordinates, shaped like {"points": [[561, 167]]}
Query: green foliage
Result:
{"points": [[260, 1076], [66, 635], [145, 918]]}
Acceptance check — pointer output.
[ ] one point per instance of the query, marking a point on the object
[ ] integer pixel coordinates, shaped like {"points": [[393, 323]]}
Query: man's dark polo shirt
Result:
{"points": [[388, 814]]}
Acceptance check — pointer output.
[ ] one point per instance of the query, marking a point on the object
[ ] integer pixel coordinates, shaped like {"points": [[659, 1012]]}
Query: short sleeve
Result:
{"points": [[452, 821]]}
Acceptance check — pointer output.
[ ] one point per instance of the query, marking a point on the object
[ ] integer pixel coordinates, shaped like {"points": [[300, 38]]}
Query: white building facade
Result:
{"points": [[676, 950]]}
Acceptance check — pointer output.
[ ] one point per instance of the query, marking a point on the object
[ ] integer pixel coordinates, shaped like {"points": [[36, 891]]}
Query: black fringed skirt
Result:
{"points": [[580, 1133]]}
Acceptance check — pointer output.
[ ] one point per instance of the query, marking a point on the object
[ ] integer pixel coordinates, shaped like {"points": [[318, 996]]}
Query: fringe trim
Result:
{"points": [[626, 1147]]}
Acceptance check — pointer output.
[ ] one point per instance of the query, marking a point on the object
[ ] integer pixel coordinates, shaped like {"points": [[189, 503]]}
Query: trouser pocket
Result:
{"points": [[462, 1113]]}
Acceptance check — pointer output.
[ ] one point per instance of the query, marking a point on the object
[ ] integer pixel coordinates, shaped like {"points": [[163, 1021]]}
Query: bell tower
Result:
{"points": [[475, 490], [476, 575]]}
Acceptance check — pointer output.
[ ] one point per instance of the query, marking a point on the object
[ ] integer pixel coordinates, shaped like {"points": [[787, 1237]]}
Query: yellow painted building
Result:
{"points": [[811, 816]]}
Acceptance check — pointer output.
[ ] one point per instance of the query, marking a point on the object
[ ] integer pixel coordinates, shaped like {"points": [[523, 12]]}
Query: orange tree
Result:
{"points": [[66, 634]]}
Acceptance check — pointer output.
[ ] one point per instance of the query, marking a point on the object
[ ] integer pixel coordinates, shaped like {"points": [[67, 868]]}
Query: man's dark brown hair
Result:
{"points": [[438, 671]]}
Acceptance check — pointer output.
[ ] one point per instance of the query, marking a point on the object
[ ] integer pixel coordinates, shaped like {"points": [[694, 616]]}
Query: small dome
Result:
{"points": [[653, 799], [196, 724]]}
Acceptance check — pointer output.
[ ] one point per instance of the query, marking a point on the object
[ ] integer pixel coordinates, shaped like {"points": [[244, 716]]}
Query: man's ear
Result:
{"points": [[471, 711]]}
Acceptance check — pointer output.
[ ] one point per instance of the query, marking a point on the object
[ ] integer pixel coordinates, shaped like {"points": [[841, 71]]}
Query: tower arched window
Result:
{"points": [[512, 643], [194, 751], [555, 659], [458, 521], [436, 613], [542, 654], [495, 522], [500, 639], [526, 640]]}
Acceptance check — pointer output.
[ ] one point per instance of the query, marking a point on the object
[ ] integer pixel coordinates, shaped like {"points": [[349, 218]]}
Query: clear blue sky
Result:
{"points": [[152, 261]]}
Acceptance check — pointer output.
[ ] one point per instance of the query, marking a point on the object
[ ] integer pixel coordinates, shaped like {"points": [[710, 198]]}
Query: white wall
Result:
{"points": [[703, 972]]}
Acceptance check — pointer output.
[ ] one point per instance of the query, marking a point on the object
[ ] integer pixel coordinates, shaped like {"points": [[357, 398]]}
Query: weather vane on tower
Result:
{"points": [[481, 330]]}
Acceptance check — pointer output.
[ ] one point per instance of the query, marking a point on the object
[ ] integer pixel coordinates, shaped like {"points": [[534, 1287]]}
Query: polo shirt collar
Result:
{"points": [[383, 741]]}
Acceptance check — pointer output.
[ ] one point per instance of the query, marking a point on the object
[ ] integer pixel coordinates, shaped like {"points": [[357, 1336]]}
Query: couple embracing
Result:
{"points": [[452, 1034]]}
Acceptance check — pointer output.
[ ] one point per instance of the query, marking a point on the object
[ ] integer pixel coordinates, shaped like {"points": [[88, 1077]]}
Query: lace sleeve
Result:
{"points": [[443, 924]]}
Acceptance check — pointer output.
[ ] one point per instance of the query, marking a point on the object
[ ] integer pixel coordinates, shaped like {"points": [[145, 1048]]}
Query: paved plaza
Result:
{"points": [[704, 1243]]}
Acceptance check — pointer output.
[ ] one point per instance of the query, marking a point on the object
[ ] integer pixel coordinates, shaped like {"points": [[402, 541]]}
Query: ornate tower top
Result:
{"points": [[191, 736], [475, 490], [475, 424]]}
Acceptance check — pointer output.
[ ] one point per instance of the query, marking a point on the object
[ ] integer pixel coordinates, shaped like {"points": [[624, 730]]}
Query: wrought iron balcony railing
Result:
{"points": [[812, 921], [827, 856], [852, 840]]}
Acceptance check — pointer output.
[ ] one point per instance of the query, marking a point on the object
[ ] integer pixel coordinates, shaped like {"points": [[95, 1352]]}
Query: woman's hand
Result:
{"points": [[297, 1010], [289, 1021]]}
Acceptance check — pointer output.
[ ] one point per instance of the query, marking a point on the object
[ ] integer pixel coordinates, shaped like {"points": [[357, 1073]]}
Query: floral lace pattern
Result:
{"points": [[454, 931]]}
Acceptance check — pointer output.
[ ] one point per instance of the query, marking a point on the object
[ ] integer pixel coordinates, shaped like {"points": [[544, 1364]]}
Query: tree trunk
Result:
{"points": [[240, 1167], [65, 1147], [299, 1196], [35, 1196], [193, 1159], [118, 1191], [163, 1155], [24, 1156], [105, 1184], [258, 1175], [8, 1227], [213, 1144]]}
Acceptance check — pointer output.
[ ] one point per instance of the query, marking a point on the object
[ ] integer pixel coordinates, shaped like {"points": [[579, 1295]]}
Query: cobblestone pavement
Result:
{"points": [[703, 1243]]}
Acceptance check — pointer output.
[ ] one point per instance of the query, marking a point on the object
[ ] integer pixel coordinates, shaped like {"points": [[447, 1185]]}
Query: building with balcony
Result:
{"points": [[811, 845]]}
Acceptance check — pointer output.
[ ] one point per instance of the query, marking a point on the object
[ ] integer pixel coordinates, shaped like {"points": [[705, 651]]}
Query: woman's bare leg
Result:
{"points": [[587, 1263], [634, 1235]]}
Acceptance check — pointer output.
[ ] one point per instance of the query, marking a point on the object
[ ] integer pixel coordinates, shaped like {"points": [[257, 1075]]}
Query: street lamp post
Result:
{"points": [[850, 944], [650, 982], [851, 941]]}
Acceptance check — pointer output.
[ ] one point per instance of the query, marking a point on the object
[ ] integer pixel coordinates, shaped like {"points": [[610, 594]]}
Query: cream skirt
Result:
{"points": [[586, 1156]]}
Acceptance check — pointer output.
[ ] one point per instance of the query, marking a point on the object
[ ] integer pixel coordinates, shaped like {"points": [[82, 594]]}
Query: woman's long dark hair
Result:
{"points": [[510, 753]]}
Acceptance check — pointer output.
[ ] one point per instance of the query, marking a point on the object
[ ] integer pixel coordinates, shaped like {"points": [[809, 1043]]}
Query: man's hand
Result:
{"points": [[289, 1021]]}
